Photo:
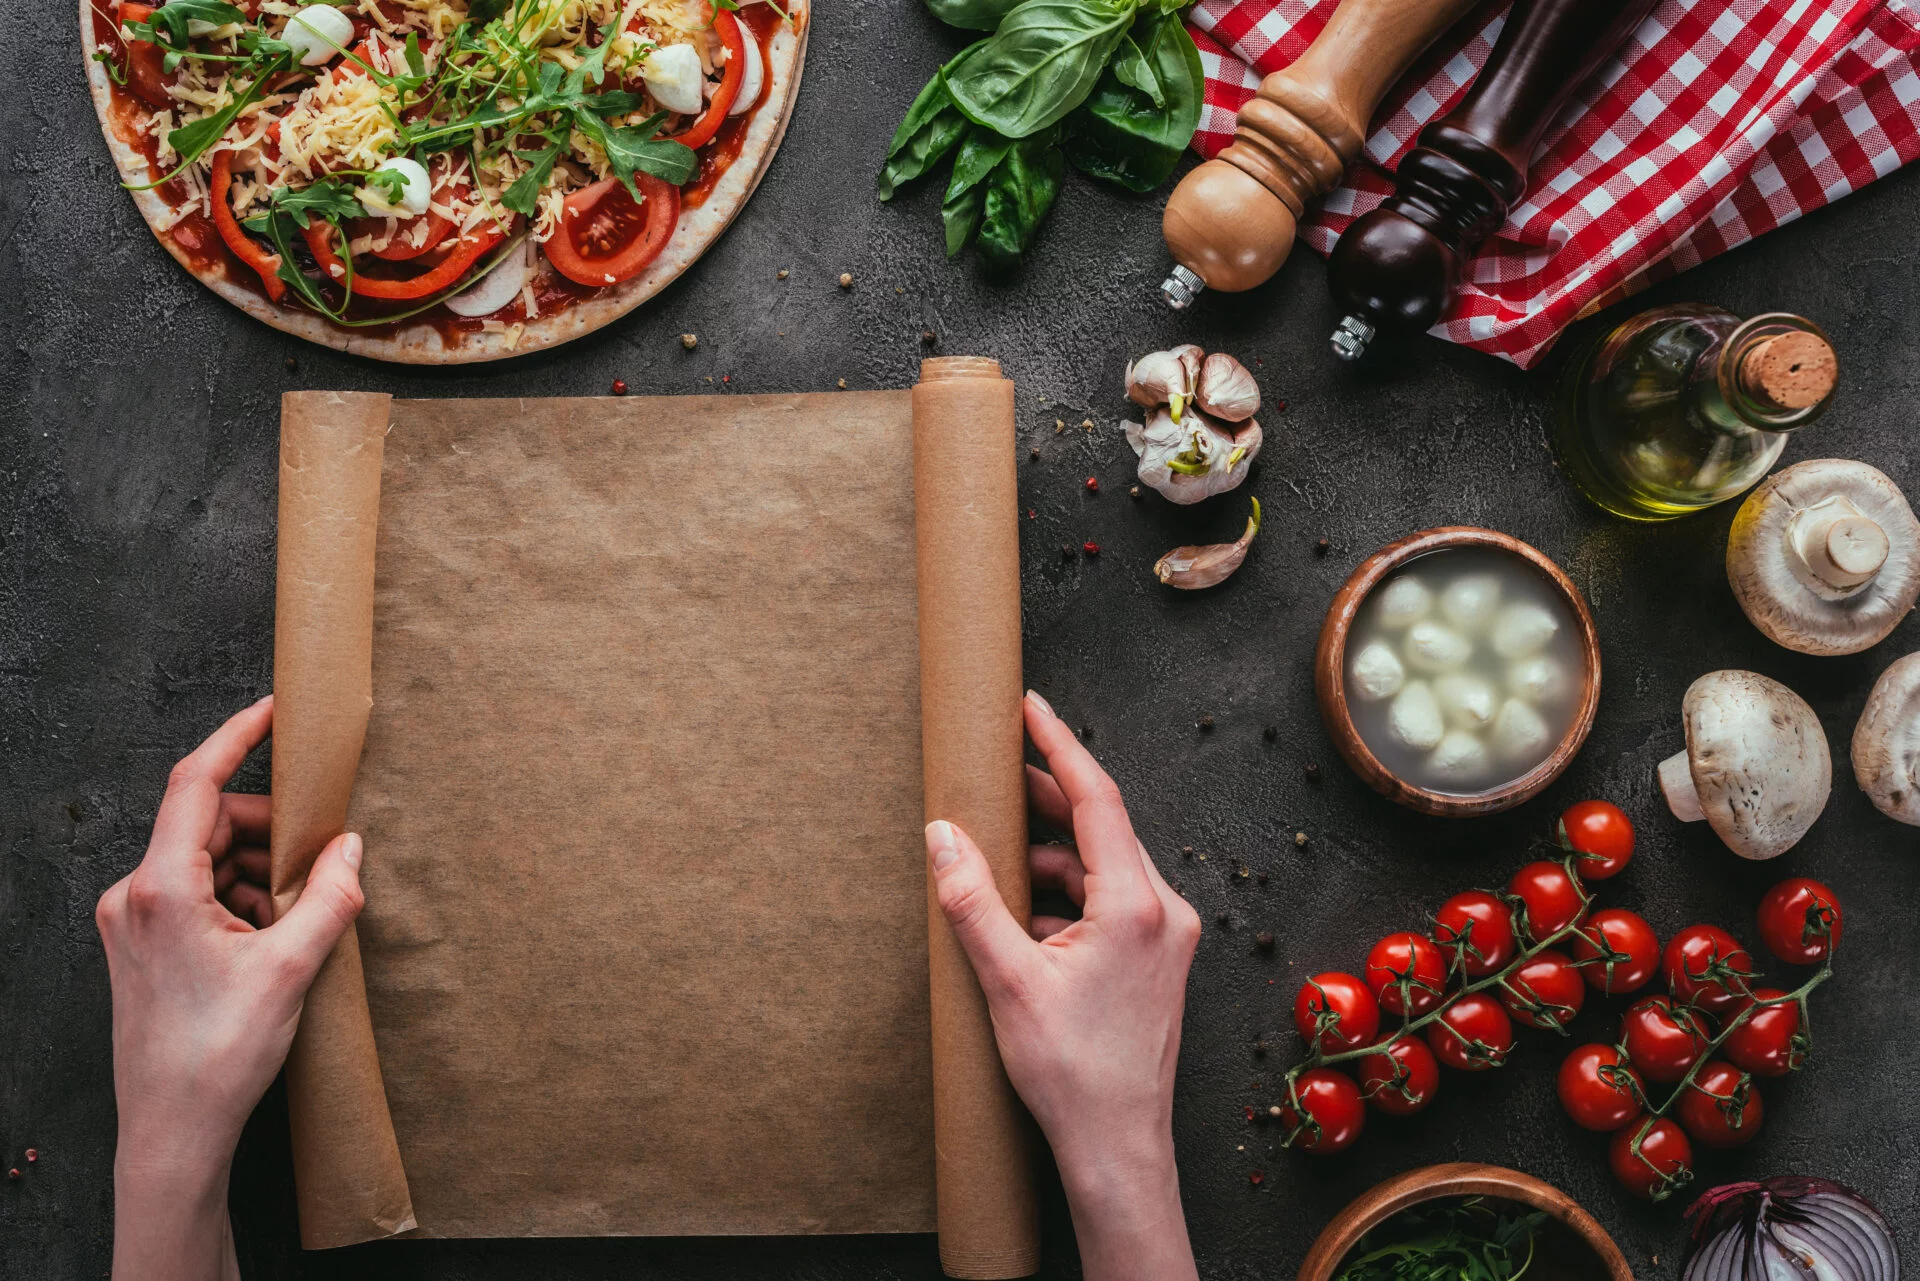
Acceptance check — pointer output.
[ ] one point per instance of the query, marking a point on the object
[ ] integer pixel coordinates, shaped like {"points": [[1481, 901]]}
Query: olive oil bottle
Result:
{"points": [[1686, 406]]}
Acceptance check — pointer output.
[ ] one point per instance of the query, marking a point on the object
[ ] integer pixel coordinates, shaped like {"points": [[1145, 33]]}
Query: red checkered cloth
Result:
{"points": [[1718, 120]]}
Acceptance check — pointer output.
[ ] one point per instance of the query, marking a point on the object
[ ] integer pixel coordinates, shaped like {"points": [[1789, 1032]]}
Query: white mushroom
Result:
{"points": [[1537, 680], [1193, 458], [1519, 630], [1460, 758], [1755, 766], [1466, 701], [1886, 742], [1824, 557], [1518, 732], [1403, 602], [1377, 672], [1469, 601], [1414, 718], [1434, 648]]}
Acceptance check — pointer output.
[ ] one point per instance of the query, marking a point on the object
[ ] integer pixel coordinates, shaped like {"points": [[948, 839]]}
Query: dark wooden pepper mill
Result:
{"points": [[1400, 264]]}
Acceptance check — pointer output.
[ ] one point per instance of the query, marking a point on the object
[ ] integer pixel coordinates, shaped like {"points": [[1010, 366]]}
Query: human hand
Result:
{"points": [[207, 991], [1087, 1012]]}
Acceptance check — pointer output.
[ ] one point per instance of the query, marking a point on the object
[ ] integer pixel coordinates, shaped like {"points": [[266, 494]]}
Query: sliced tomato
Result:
{"points": [[731, 77], [456, 260], [147, 78], [605, 238], [401, 247], [245, 247]]}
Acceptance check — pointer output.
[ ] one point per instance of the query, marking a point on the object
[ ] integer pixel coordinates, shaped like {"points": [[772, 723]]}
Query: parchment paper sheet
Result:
{"points": [[645, 948]]}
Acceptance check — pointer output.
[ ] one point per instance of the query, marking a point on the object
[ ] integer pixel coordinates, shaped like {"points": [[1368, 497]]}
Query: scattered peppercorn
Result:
{"points": [[842, 384], [846, 280], [1241, 872], [1270, 733], [1249, 1117], [1033, 455], [1086, 733], [1186, 851], [1205, 723], [1257, 1177], [1300, 840], [292, 364], [1322, 547], [783, 273], [1066, 551], [1274, 1111], [1264, 940], [14, 1173], [1224, 918], [1093, 484], [33, 1154], [689, 341], [1133, 491], [1032, 514], [1312, 771], [1280, 407], [1259, 878], [928, 338], [619, 386], [1090, 548], [1087, 423], [1259, 1049]]}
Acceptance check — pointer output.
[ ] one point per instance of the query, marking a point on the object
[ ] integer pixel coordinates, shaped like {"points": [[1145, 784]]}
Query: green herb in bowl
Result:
{"points": [[1465, 1239]]}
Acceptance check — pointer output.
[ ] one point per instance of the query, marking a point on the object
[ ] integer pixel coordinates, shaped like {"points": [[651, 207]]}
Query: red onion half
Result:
{"points": [[1789, 1229]]}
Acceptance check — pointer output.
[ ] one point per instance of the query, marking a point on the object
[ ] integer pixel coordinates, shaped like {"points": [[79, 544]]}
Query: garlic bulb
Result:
{"points": [[1226, 390], [1161, 378], [1192, 459], [1194, 567]]}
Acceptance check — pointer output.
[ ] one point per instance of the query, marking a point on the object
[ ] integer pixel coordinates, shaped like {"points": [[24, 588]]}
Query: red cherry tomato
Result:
{"points": [[1330, 1115], [605, 238], [1600, 835], [1476, 930], [1545, 992], [1401, 1079], [1706, 966], [1662, 1040], [1474, 1034], [1630, 958], [1662, 1164], [1598, 1088], [1800, 921], [1552, 898], [1720, 1107], [1353, 1016], [1407, 973], [1769, 1042]]}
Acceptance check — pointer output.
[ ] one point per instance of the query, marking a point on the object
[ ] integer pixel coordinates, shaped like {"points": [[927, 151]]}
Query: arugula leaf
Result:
{"points": [[1020, 191], [523, 197], [485, 11], [172, 23], [190, 141], [329, 198], [966, 198], [105, 58], [1043, 61], [933, 125], [1138, 122], [1468, 1239], [979, 15], [634, 147]]}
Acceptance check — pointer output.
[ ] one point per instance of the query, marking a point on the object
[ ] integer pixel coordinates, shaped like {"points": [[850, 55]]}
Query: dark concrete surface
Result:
{"points": [[138, 418]]}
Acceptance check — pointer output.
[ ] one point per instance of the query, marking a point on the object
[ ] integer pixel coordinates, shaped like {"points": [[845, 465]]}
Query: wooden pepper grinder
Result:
{"points": [[1400, 263], [1230, 222]]}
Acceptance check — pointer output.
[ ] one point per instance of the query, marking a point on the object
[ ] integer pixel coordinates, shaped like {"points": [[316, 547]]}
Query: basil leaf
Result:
{"points": [[1020, 191], [1130, 67], [1125, 135], [1041, 64], [977, 15], [931, 128], [966, 198], [524, 195]]}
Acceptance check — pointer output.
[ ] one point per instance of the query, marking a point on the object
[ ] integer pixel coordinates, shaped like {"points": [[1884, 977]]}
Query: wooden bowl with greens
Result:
{"points": [[1464, 1222]]}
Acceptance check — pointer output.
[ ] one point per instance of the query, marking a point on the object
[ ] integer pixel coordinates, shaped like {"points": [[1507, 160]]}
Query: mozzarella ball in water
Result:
{"points": [[1519, 630], [317, 33], [674, 78], [1460, 758], [415, 195], [1469, 602], [1377, 672], [1404, 602], [1519, 735], [1434, 648], [1414, 720], [1467, 702], [1537, 680]]}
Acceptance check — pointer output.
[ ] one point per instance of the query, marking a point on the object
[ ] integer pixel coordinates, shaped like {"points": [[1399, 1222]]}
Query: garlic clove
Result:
{"points": [[1192, 459], [1160, 378], [1191, 568], [1226, 390]]}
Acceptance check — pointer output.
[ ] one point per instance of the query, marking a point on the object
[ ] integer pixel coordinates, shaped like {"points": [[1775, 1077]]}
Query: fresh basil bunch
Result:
{"points": [[1111, 86]]}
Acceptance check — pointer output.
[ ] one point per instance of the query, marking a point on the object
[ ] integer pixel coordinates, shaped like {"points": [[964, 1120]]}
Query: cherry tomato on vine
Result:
{"points": [[1333, 1112], [1721, 1107], [1598, 1088], [1629, 940], [1552, 898], [1600, 835], [1354, 1016], [1663, 1163], [1407, 973], [1546, 992], [1706, 966], [1800, 921], [1662, 1039], [1768, 1043], [1477, 928], [1401, 1079], [1474, 1034]]}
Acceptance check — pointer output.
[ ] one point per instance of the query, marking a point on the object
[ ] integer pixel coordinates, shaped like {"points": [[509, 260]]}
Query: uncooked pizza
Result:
{"points": [[441, 180]]}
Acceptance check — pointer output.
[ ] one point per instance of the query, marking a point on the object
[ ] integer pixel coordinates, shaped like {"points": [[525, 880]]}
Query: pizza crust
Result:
{"points": [[419, 343]]}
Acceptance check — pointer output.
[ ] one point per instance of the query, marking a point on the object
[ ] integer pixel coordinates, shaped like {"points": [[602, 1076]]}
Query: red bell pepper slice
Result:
{"points": [[731, 77], [245, 247], [147, 78], [465, 252]]}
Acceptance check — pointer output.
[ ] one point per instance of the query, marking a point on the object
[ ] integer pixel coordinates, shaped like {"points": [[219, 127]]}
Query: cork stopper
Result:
{"points": [[1792, 371]]}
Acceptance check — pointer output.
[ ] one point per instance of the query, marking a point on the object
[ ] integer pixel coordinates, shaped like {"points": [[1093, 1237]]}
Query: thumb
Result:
{"points": [[963, 886], [327, 905]]}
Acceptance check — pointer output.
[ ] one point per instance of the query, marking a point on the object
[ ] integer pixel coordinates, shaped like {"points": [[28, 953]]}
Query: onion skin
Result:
{"points": [[1793, 1228]]}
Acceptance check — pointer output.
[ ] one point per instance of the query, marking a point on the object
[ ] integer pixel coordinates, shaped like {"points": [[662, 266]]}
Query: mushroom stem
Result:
{"points": [[1838, 543], [1676, 780]]}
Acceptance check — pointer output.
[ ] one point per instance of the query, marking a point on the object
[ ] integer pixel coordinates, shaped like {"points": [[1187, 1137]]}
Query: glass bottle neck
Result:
{"points": [[1727, 391]]}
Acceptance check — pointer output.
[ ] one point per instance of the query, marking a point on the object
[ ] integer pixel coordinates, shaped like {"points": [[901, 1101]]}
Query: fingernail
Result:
{"points": [[1045, 706], [941, 844], [267, 699], [351, 850]]}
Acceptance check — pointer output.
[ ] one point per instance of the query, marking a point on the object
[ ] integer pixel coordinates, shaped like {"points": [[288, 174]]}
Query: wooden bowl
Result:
{"points": [[1581, 1248], [1330, 675]]}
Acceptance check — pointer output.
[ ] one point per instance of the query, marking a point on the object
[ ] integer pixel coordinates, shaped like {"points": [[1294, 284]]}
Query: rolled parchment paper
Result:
{"points": [[968, 546], [348, 1179]]}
